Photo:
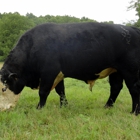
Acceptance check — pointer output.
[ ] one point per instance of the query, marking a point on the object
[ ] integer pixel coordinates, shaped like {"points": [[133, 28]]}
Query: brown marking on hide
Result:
{"points": [[91, 84], [104, 73], [58, 78]]}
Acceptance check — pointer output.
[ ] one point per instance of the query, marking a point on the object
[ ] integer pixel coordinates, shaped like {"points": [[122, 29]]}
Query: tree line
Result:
{"points": [[13, 25]]}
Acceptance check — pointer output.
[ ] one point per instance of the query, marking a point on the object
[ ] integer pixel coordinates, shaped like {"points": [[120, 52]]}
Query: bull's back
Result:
{"points": [[83, 49]]}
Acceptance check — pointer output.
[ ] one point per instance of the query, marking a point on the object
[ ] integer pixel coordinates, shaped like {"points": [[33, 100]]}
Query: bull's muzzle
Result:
{"points": [[4, 89]]}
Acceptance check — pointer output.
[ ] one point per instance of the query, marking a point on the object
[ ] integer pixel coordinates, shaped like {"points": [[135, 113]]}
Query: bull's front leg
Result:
{"points": [[44, 90], [48, 83], [43, 97]]}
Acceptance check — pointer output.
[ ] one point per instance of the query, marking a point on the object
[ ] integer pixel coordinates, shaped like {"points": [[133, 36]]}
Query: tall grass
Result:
{"points": [[85, 117]]}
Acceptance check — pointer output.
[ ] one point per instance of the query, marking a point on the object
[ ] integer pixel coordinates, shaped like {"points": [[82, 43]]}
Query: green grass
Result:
{"points": [[85, 117]]}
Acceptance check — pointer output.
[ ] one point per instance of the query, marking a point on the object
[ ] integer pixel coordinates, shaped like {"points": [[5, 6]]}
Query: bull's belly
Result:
{"points": [[104, 73]]}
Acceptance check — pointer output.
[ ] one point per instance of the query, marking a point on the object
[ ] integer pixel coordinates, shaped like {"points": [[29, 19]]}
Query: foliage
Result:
{"points": [[135, 4], [11, 27]]}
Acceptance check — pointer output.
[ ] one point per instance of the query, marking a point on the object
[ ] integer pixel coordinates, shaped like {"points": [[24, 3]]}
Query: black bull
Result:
{"points": [[48, 53]]}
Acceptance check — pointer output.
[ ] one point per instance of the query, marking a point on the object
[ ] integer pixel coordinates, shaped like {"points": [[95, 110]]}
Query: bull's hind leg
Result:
{"points": [[60, 89], [116, 84], [133, 85]]}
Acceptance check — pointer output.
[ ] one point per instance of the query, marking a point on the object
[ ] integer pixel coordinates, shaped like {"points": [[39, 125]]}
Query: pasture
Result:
{"points": [[85, 117]]}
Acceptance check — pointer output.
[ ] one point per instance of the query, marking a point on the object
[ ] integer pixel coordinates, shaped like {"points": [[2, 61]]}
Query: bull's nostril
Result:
{"points": [[4, 89]]}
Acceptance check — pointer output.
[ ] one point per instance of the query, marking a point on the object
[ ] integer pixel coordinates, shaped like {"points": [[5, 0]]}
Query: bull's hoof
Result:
{"points": [[108, 106], [132, 112], [39, 106], [64, 103], [136, 114], [137, 110]]}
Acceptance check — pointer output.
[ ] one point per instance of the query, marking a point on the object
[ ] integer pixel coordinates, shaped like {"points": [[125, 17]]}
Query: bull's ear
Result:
{"points": [[0, 72], [0, 75], [13, 76]]}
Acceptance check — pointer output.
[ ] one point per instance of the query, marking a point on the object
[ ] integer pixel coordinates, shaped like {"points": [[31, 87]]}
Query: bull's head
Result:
{"points": [[11, 81]]}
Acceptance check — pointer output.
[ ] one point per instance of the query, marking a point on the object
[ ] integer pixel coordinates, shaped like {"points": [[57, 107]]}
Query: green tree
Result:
{"points": [[109, 22], [36, 20], [135, 4], [11, 28], [85, 19]]}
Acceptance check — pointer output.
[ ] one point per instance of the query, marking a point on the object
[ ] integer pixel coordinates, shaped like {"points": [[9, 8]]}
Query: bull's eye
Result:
{"points": [[5, 82]]}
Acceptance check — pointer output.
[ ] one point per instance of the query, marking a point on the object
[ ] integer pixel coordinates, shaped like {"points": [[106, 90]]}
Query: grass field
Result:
{"points": [[85, 117]]}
